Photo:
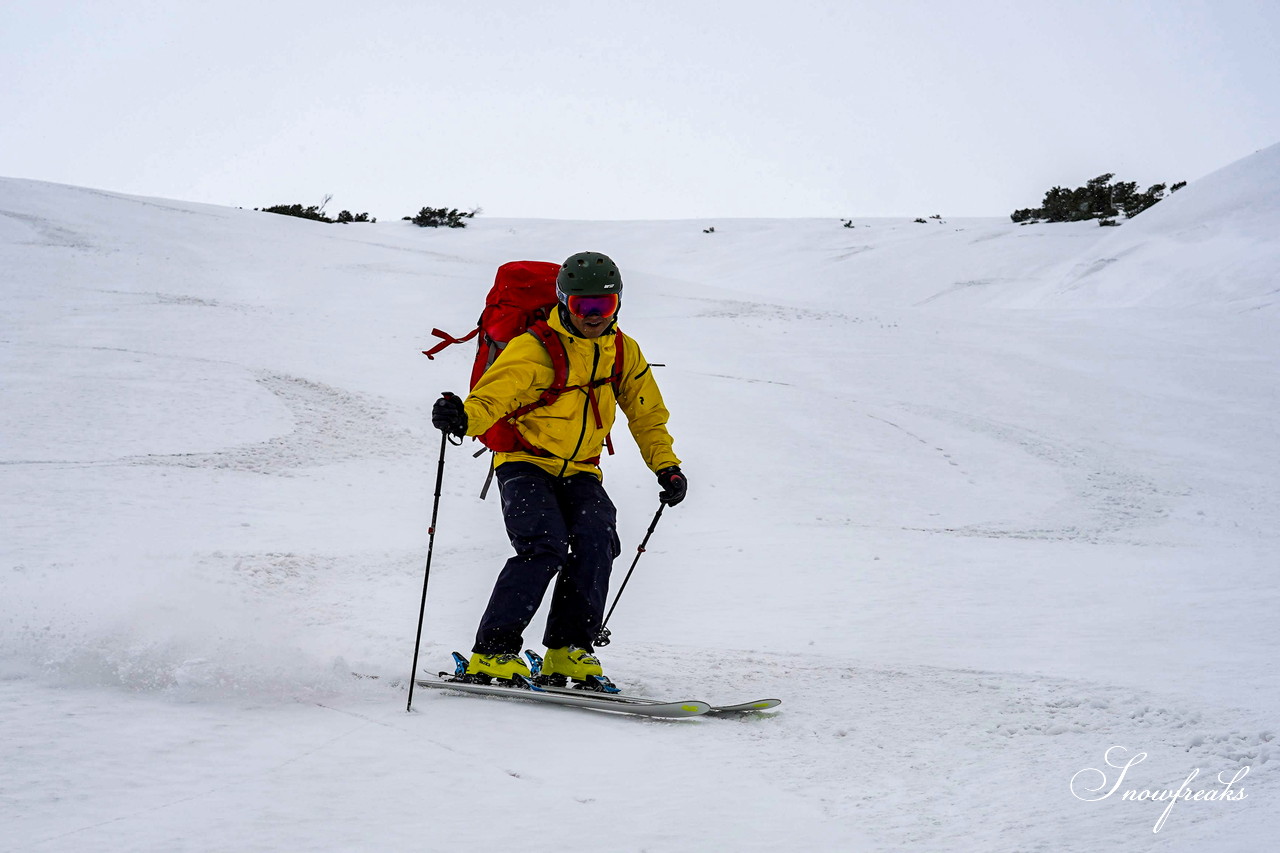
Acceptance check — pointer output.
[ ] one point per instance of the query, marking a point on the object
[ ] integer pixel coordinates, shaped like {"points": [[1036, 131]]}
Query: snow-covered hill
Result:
{"points": [[1212, 246], [975, 513]]}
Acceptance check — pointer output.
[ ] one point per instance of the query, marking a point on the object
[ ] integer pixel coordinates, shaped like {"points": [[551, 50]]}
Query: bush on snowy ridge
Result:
{"points": [[316, 212], [1099, 198], [434, 217]]}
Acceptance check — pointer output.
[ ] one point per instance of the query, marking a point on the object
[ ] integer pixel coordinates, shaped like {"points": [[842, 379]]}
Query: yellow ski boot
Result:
{"points": [[504, 667], [572, 663]]}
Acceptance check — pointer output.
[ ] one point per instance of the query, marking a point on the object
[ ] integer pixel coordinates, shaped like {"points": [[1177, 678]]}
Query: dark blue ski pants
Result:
{"points": [[562, 529]]}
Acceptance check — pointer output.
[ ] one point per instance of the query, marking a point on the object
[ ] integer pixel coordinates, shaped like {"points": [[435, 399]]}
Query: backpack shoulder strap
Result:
{"points": [[618, 352], [555, 349], [559, 365]]}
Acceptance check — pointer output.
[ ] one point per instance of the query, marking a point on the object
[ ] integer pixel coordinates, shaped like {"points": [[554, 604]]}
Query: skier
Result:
{"points": [[559, 519]]}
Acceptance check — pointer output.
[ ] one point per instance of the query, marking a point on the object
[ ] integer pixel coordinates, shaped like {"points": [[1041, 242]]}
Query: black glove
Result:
{"points": [[673, 485], [447, 415]]}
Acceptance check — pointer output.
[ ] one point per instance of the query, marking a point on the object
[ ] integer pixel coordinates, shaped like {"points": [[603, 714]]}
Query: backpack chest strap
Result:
{"points": [[559, 384]]}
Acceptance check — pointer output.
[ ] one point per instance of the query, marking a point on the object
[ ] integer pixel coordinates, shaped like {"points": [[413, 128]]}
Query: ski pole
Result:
{"points": [[426, 575], [602, 638]]}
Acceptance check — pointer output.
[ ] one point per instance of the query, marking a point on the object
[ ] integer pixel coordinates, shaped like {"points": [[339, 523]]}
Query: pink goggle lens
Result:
{"points": [[585, 306]]}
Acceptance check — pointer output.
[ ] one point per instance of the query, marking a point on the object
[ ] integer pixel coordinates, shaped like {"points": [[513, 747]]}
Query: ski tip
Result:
{"points": [[747, 707]]}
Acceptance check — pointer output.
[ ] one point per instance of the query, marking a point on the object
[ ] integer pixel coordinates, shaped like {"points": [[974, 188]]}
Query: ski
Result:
{"points": [[739, 708], [600, 695], [606, 689], [573, 698]]}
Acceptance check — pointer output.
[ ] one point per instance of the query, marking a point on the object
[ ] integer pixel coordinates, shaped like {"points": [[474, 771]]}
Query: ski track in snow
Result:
{"points": [[49, 233], [330, 425], [1109, 499], [995, 720]]}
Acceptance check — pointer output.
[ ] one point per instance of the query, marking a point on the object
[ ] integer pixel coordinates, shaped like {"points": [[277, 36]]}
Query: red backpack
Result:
{"points": [[521, 299]]}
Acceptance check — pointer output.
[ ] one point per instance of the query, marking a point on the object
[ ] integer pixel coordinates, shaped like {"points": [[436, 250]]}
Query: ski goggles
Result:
{"points": [[585, 306]]}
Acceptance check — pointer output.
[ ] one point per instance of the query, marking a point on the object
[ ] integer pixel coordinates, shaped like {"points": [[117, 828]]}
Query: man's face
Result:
{"points": [[593, 326]]}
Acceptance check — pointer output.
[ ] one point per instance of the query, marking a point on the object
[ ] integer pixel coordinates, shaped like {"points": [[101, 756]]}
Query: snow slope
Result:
{"points": [[1209, 246], [973, 521]]}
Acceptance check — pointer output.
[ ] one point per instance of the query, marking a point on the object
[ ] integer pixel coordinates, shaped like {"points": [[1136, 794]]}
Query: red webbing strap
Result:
{"points": [[449, 340], [595, 405], [546, 399]]}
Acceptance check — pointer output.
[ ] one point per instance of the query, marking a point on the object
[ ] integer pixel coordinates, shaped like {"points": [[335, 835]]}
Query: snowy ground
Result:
{"points": [[977, 501]]}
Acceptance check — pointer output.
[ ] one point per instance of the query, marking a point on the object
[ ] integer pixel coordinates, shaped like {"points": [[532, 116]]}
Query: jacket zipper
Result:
{"points": [[586, 410]]}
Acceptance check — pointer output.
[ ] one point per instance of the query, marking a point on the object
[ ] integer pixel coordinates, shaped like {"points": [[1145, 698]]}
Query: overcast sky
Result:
{"points": [[639, 110]]}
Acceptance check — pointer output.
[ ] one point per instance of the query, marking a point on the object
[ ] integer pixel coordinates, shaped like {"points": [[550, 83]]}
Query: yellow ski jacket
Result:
{"points": [[566, 429]]}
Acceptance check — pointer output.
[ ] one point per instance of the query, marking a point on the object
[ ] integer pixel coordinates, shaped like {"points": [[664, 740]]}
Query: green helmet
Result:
{"points": [[588, 274]]}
